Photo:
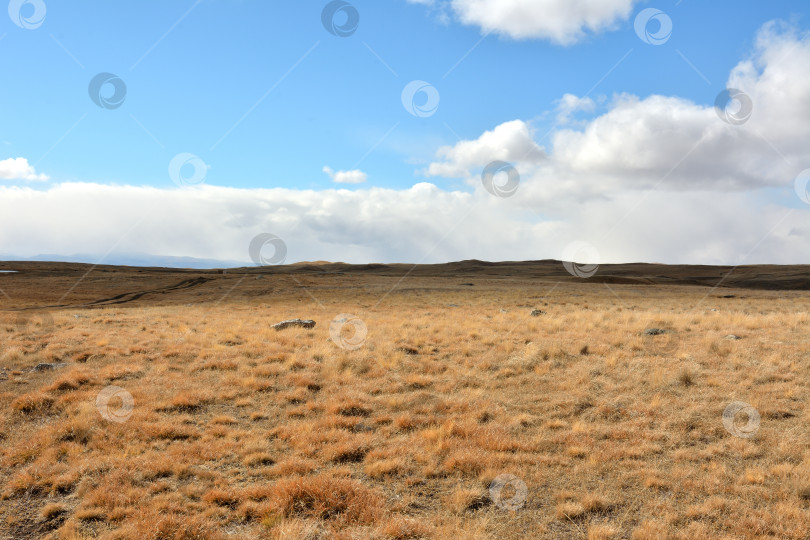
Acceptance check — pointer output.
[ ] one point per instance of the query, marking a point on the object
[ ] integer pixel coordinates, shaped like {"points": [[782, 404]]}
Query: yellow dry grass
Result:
{"points": [[240, 431]]}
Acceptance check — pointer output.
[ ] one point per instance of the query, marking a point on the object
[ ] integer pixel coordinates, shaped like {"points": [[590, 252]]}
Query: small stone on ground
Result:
{"points": [[44, 366], [302, 323], [655, 331]]}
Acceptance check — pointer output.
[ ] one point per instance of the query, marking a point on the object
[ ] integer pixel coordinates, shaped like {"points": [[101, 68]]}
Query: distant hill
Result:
{"points": [[764, 277]]}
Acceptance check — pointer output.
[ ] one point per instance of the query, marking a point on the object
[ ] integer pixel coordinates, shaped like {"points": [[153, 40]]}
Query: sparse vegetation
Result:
{"points": [[241, 431]]}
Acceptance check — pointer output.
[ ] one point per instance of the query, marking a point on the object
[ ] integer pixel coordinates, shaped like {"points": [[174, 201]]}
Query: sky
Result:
{"points": [[415, 131]]}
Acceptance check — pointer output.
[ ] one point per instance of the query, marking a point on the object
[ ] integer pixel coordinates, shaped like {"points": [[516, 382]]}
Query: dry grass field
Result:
{"points": [[180, 413]]}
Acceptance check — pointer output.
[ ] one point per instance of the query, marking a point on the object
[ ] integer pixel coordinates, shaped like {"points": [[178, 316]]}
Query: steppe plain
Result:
{"points": [[466, 400]]}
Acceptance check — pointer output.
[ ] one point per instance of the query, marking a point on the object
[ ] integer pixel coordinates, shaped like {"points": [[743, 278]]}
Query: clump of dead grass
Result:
{"points": [[327, 498], [32, 403]]}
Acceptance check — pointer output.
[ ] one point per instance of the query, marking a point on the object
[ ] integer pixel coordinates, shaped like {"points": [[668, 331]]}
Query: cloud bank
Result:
{"points": [[420, 224]]}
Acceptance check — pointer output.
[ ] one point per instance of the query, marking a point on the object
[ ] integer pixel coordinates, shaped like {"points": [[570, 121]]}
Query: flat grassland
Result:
{"points": [[180, 412]]}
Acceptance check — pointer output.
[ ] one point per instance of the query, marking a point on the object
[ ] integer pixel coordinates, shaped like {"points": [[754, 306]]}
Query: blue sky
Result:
{"points": [[191, 87], [266, 97]]}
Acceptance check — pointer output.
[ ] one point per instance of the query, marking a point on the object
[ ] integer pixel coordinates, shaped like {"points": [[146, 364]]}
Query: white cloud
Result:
{"points": [[570, 104], [511, 141], [561, 21], [668, 142], [19, 169], [639, 142], [346, 177]]}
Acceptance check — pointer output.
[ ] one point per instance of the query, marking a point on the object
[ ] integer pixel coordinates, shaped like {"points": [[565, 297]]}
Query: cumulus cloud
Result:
{"points": [[667, 142], [19, 169], [561, 21], [510, 141], [640, 142], [346, 177], [569, 105]]}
